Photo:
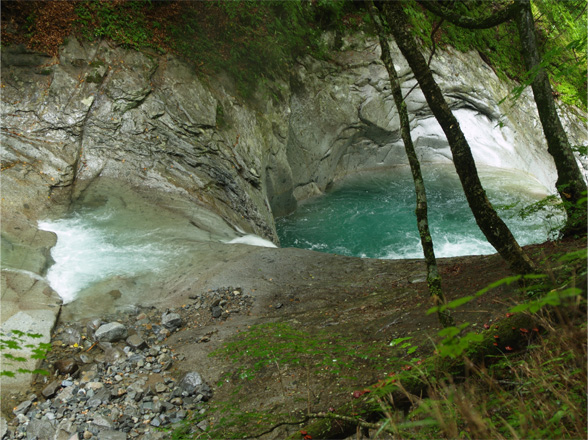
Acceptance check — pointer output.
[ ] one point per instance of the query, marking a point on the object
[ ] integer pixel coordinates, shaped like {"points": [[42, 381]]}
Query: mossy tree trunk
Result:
{"points": [[495, 230], [570, 182], [421, 211]]}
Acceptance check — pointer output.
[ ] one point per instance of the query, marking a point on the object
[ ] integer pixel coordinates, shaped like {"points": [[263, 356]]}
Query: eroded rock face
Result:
{"points": [[148, 121], [98, 116], [105, 112], [344, 120]]}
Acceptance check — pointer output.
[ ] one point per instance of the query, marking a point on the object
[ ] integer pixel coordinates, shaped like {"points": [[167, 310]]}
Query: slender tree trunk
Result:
{"points": [[570, 182], [495, 230], [421, 211]]}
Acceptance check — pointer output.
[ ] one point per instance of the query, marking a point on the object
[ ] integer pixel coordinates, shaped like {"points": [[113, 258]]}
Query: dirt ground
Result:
{"points": [[315, 309], [356, 306]]}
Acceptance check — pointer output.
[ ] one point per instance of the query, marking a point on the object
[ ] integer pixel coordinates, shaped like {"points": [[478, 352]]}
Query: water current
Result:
{"points": [[113, 238], [371, 215]]}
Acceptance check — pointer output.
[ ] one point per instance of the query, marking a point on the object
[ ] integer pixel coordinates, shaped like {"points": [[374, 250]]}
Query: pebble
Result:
{"points": [[51, 389], [22, 408], [108, 388]]}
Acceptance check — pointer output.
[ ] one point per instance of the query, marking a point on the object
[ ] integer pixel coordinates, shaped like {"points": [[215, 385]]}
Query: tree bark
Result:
{"points": [[495, 230], [486, 22], [570, 182], [421, 211]]}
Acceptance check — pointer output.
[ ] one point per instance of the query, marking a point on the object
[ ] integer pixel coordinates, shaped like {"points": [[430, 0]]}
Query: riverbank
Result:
{"points": [[340, 308]]}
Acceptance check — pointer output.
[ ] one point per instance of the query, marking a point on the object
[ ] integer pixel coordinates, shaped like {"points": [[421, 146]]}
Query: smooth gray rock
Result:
{"points": [[22, 408], [219, 164], [137, 342], [111, 332], [66, 366], [102, 421], [193, 384], [51, 389], [71, 336], [3, 427], [40, 429], [171, 321], [92, 326]]}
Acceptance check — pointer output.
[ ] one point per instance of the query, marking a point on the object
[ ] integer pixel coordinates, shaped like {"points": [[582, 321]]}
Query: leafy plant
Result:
{"points": [[16, 341]]}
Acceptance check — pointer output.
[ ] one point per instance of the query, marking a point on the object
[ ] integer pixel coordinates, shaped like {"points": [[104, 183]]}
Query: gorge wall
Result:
{"points": [[100, 115]]}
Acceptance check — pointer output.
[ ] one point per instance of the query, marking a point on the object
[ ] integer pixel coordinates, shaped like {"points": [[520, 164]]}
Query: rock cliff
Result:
{"points": [[99, 113]]}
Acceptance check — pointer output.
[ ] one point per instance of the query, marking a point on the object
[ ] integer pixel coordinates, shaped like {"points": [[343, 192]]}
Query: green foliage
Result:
{"points": [[454, 341], [454, 344], [229, 421], [556, 297], [536, 393], [123, 22], [15, 341], [497, 46], [466, 299], [277, 352], [562, 38], [561, 28], [252, 41], [281, 344], [552, 298], [553, 210]]}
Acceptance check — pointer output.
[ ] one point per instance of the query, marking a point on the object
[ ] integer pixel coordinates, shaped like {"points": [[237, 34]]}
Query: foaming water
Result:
{"points": [[252, 240], [89, 249], [117, 239], [372, 215]]}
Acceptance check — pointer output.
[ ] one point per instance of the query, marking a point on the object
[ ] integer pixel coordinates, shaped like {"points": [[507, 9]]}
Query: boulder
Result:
{"points": [[111, 332], [41, 429], [171, 321], [135, 341], [193, 384], [51, 389]]}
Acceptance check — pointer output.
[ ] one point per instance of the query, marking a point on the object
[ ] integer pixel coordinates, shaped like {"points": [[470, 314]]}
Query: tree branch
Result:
{"points": [[495, 19]]}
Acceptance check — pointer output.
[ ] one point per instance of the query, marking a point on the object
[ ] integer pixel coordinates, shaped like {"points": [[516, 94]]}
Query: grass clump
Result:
{"points": [[535, 390], [538, 393]]}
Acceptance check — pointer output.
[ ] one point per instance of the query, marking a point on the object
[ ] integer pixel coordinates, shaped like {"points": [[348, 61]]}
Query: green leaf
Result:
{"points": [[432, 310], [460, 301], [449, 332], [519, 308], [397, 341]]}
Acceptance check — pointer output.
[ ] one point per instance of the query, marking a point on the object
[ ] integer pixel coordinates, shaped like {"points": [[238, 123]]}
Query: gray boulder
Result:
{"points": [[193, 384], [135, 341], [111, 332], [40, 429], [171, 321]]}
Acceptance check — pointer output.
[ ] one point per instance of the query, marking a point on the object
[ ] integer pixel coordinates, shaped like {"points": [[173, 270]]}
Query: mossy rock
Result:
{"points": [[97, 73]]}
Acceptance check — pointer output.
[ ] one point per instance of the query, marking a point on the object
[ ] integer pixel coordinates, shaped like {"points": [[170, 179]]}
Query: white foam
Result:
{"points": [[450, 245], [252, 240], [86, 254]]}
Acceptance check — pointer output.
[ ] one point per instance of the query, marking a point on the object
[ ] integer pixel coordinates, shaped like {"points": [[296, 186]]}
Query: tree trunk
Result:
{"points": [[495, 230], [421, 211], [496, 18], [570, 182]]}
